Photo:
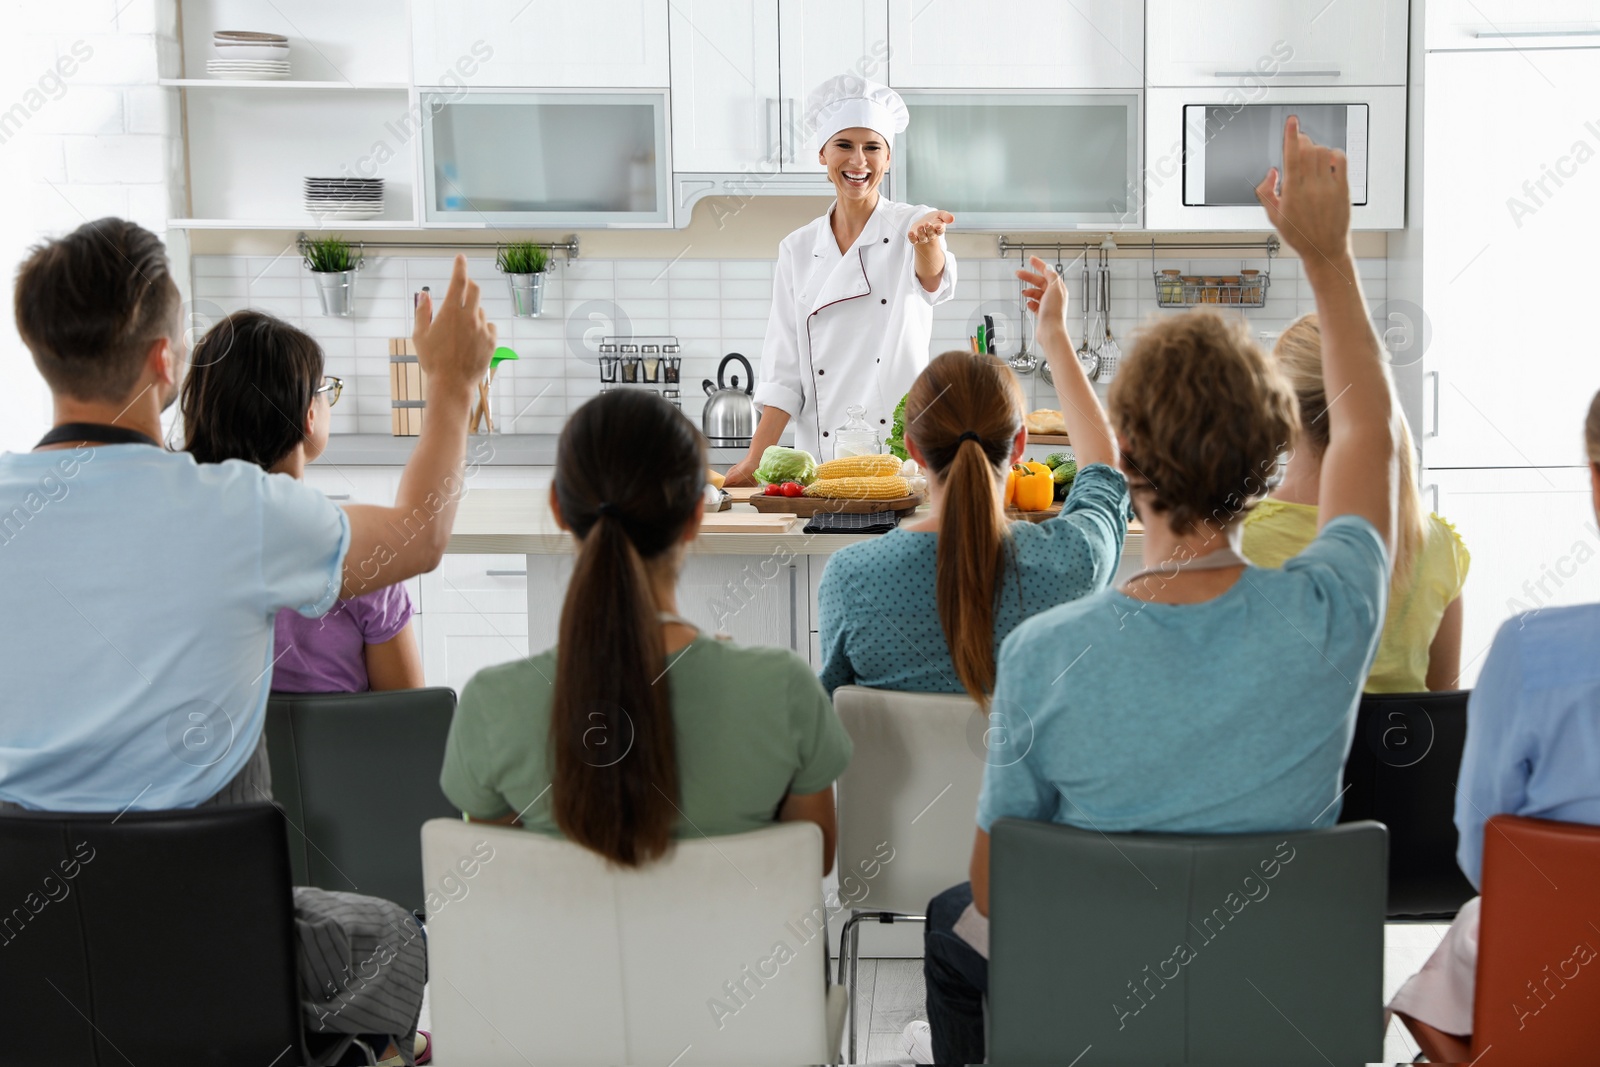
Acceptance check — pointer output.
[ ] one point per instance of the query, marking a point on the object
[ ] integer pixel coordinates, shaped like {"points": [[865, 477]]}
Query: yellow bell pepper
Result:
{"points": [[1011, 488], [1034, 491], [1038, 468]]}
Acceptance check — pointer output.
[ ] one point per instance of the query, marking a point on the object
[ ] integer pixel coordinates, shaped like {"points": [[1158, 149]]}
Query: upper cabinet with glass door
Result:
{"points": [[1016, 44], [1032, 161], [556, 44], [545, 158], [1512, 24], [1281, 43]]}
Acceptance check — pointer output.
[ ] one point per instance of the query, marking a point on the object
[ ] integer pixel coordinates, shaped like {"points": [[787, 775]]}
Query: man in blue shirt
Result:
{"points": [[139, 588], [1533, 749]]}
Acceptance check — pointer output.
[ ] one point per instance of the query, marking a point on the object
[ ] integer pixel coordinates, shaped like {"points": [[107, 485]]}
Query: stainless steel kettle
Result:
{"points": [[729, 418]]}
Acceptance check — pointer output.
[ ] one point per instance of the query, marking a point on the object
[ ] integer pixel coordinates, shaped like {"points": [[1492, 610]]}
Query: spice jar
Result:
{"points": [[671, 369], [1192, 292], [1230, 289], [1251, 290], [630, 368], [1170, 287], [608, 368], [1212, 293]]}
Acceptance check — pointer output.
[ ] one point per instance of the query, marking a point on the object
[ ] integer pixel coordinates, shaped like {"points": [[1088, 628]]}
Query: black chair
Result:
{"points": [[357, 775], [148, 937], [1185, 948], [1402, 772]]}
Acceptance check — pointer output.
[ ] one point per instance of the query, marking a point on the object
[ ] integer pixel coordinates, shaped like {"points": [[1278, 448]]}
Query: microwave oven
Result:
{"points": [[1209, 148]]}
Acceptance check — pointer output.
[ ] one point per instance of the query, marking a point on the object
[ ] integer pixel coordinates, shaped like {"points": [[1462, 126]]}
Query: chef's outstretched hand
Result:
{"points": [[930, 227]]}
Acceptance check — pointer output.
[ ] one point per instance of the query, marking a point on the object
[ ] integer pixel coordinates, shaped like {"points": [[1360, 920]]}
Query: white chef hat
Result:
{"points": [[848, 101]]}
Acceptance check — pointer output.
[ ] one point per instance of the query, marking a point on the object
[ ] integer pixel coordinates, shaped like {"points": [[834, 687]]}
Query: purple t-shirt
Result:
{"points": [[328, 654]]}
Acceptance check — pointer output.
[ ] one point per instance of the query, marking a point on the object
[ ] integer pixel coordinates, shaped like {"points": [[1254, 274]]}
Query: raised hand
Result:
{"points": [[1312, 212], [455, 344], [1046, 294], [930, 227]]}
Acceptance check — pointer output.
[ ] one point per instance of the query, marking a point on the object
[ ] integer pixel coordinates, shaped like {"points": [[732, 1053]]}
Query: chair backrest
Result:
{"points": [[1157, 948], [910, 792], [357, 775], [1537, 999], [542, 952], [148, 937], [1401, 771]]}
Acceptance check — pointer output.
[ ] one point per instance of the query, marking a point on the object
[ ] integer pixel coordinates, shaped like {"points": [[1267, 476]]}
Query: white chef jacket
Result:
{"points": [[848, 329]]}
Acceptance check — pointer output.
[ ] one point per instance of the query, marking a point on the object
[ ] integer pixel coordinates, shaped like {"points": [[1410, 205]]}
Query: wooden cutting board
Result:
{"points": [[742, 493], [747, 522], [810, 505]]}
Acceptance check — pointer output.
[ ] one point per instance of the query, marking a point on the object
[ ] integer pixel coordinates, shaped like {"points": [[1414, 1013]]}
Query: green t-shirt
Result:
{"points": [[753, 724]]}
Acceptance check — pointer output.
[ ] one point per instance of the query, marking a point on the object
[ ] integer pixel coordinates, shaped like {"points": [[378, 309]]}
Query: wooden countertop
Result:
{"points": [[519, 521]]}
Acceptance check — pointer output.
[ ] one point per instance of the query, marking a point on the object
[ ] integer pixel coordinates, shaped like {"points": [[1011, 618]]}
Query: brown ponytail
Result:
{"points": [[629, 474], [963, 414]]}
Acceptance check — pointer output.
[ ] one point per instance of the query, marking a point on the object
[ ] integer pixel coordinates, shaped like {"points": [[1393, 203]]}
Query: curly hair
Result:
{"points": [[1203, 416]]}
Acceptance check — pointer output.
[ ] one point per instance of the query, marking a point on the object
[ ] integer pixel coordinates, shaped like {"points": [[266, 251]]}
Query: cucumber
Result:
{"points": [[1065, 473], [1056, 459]]}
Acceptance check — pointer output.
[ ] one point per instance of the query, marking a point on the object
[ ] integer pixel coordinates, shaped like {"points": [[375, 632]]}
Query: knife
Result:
{"points": [[988, 321]]}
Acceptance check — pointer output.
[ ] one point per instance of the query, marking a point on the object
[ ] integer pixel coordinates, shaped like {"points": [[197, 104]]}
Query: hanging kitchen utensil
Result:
{"points": [[1022, 362], [1044, 368], [1110, 351], [1087, 356]]}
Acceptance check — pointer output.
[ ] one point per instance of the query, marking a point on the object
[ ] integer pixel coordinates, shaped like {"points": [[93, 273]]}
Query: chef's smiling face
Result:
{"points": [[857, 159]]}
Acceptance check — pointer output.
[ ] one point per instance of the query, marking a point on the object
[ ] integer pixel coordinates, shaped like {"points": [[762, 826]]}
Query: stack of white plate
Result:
{"points": [[249, 54], [344, 198]]}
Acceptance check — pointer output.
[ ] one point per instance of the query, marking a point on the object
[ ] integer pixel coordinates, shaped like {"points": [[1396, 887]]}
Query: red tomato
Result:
{"points": [[773, 489], [793, 489]]}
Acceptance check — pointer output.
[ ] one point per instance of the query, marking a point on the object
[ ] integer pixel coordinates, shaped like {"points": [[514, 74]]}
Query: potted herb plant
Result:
{"points": [[330, 261], [524, 264]]}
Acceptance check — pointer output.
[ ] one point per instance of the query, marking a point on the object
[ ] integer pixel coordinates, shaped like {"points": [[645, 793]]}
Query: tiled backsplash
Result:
{"points": [[712, 306]]}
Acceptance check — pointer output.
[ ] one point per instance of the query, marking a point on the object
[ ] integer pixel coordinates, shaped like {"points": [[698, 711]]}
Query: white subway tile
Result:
{"points": [[747, 269], [115, 60], [695, 269]]}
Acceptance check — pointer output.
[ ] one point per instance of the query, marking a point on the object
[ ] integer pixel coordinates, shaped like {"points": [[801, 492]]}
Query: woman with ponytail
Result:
{"points": [[926, 607], [1421, 644], [638, 728]]}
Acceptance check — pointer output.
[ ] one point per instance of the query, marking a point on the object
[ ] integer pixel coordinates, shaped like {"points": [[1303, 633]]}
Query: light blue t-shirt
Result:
{"points": [[878, 603], [137, 596], [1533, 728], [1232, 715]]}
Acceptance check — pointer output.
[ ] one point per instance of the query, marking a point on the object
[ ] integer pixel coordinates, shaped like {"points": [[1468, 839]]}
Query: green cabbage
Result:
{"points": [[780, 464], [897, 432]]}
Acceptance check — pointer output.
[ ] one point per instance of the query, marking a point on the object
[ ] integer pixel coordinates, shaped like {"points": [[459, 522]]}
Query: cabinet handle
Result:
{"points": [[1278, 74], [1435, 431], [337, 496], [794, 610], [1536, 33], [774, 149], [790, 133], [506, 574], [1434, 489]]}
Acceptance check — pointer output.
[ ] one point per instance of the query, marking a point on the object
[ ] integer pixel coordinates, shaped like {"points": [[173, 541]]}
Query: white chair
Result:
{"points": [[545, 953], [912, 786]]}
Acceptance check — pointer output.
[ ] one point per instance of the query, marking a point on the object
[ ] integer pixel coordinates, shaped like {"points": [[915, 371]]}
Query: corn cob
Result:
{"points": [[887, 487], [858, 467]]}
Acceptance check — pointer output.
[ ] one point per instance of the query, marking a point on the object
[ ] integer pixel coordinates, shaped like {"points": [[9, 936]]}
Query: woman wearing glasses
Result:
{"points": [[256, 392]]}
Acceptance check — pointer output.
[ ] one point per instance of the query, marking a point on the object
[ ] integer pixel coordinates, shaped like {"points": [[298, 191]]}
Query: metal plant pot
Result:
{"points": [[337, 289], [527, 294]]}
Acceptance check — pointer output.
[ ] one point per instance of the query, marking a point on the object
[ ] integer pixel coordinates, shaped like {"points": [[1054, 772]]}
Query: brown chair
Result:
{"points": [[1537, 997]]}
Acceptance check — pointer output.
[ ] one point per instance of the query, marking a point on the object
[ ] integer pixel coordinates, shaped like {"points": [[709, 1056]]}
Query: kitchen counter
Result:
{"points": [[519, 521], [497, 449]]}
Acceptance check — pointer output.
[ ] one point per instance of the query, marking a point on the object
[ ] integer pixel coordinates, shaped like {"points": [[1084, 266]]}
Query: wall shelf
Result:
{"points": [[282, 83]]}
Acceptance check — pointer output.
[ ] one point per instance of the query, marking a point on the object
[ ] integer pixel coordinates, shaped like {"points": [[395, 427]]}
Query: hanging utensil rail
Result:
{"points": [[569, 246]]}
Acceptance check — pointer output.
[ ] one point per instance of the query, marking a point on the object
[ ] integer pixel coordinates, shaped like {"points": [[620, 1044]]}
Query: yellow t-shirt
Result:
{"points": [[1276, 530]]}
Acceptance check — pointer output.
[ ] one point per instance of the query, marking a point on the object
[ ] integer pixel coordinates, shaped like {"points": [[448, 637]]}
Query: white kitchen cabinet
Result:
{"points": [[1512, 24], [1534, 544], [817, 40], [754, 599], [1512, 189], [1276, 42], [1091, 44], [544, 44], [726, 111], [476, 615]]}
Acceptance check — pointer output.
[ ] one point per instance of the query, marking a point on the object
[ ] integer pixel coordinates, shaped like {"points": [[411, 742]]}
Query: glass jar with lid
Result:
{"points": [[856, 437]]}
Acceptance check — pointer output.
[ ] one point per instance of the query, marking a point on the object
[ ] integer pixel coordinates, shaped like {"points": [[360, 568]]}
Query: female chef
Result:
{"points": [[853, 292]]}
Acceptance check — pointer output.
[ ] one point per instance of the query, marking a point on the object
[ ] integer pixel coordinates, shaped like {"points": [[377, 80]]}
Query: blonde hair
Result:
{"points": [[963, 414], [1299, 354], [1202, 415]]}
